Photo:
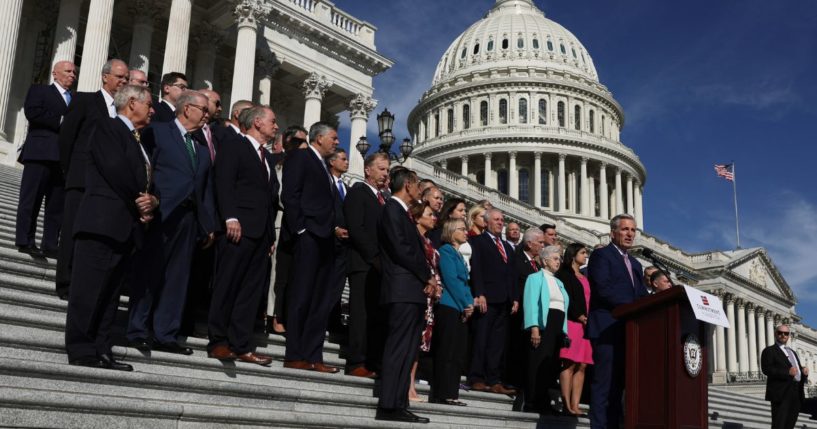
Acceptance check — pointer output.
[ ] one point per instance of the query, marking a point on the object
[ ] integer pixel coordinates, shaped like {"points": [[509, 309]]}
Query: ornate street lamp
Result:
{"points": [[363, 146], [385, 122]]}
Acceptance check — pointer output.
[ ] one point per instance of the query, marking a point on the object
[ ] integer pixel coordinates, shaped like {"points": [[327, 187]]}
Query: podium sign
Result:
{"points": [[665, 368], [707, 307]]}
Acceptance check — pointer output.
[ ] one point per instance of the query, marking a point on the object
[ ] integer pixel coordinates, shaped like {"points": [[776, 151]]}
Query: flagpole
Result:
{"points": [[735, 194]]}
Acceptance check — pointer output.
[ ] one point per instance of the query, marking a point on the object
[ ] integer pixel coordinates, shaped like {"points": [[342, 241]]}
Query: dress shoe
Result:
{"points": [[399, 415], [298, 364], [49, 253], [361, 371], [502, 390], [480, 386], [173, 348], [87, 362], [109, 362], [320, 367], [221, 352], [30, 250], [140, 344], [251, 357], [447, 402], [62, 293]]}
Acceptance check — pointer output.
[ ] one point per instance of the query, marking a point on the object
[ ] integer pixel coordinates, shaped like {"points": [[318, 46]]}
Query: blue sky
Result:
{"points": [[700, 82]]}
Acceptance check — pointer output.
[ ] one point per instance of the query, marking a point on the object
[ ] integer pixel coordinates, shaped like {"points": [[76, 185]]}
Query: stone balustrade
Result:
{"points": [[328, 14]]}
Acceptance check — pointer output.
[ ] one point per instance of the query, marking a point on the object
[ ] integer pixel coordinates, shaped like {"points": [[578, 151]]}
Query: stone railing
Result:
{"points": [[745, 377], [307, 5], [325, 12]]}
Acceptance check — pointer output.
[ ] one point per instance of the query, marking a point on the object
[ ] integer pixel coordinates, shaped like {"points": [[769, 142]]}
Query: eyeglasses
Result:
{"points": [[461, 229], [784, 333], [202, 108], [181, 86]]}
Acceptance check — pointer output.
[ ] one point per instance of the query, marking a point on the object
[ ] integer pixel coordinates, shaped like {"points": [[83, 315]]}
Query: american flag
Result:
{"points": [[725, 171]]}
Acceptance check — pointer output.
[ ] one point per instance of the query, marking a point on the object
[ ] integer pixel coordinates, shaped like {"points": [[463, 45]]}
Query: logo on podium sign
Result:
{"points": [[693, 356]]}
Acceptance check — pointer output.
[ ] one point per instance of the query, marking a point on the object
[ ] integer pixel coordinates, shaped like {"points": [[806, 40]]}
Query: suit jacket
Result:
{"points": [[44, 108], [175, 178], [307, 195], [775, 365], [116, 174], [340, 218], [362, 210], [574, 288], [402, 258], [610, 286], [86, 109], [523, 270], [491, 276], [222, 132], [243, 190], [162, 112]]}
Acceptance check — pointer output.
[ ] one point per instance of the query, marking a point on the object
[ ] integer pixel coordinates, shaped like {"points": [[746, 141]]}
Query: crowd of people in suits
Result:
{"points": [[179, 207]]}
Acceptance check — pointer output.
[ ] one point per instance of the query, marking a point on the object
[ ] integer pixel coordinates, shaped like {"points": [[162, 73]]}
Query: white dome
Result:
{"points": [[515, 31]]}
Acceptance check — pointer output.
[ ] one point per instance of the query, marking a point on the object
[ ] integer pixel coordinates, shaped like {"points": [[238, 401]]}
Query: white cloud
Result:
{"points": [[760, 96]]}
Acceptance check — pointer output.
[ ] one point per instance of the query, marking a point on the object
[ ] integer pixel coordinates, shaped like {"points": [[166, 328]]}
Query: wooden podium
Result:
{"points": [[665, 343]]}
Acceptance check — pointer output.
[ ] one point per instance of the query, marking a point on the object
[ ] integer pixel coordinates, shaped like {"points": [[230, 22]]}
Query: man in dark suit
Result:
{"points": [[182, 180], [109, 227], [173, 84], [44, 108], [231, 128], [406, 283], [86, 108], [362, 208], [309, 216], [338, 164], [493, 280], [247, 200], [513, 235], [785, 378], [615, 279]]}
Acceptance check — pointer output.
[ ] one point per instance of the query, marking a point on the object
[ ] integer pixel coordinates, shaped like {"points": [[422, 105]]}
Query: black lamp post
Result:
{"points": [[385, 122]]}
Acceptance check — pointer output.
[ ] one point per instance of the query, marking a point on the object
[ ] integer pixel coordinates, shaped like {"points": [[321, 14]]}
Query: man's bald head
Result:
{"points": [[64, 73], [114, 75], [137, 77], [214, 103]]}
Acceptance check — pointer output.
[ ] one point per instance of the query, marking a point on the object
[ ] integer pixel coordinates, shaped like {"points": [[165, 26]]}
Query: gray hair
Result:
{"points": [[550, 250], [189, 97], [532, 234], [319, 129], [108, 66], [616, 220], [124, 95], [487, 214], [240, 105], [248, 116]]}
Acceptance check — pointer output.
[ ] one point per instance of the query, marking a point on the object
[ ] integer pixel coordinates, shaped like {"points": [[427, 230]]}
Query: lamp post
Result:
{"points": [[385, 122]]}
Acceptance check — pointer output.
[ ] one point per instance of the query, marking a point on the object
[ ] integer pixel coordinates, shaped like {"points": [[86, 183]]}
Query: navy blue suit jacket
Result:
{"points": [[307, 194], [162, 112], [402, 258], [85, 110], [174, 177], [610, 286], [492, 277], [44, 108]]}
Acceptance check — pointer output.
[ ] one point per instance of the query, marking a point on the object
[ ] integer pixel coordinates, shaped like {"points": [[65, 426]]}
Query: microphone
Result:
{"points": [[648, 253]]}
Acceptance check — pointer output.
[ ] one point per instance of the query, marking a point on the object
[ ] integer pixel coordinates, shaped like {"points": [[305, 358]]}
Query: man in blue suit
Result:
{"points": [[45, 107], [183, 184], [615, 279]]}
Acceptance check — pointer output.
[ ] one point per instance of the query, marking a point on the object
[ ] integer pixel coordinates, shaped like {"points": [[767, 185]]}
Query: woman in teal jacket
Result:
{"points": [[545, 301], [450, 316]]}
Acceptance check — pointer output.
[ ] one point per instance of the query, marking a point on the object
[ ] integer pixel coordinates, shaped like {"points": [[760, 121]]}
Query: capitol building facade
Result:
{"points": [[515, 113]]}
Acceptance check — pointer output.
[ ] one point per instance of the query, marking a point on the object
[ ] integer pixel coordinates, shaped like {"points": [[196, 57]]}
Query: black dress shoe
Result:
{"points": [[107, 361], [140, 344], [62, 294], [87, 362], [30, 250], [173, 348], [49, 253], [399, 415]]}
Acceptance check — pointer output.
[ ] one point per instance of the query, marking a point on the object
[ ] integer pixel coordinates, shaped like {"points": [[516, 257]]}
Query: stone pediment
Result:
{"points": [[754, 267]]}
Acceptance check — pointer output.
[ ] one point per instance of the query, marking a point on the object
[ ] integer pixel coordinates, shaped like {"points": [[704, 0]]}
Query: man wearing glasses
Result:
{"points": [[173, 84], [785, 378]]}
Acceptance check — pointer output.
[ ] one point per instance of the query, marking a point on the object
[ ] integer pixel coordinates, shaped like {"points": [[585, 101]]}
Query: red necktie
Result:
{"points": [[380, 198], [263, 164], [501, 249], [533, 265]]}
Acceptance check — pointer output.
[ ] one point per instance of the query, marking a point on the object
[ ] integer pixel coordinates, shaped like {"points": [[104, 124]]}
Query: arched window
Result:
{"points": [[535, 43], [591, 121], [425, 130], [543, 192], [436, 123], [524, 178], [543, 111], [476, 48], [481, 177], [503, 111], [523, 110], [450, 115], [574, 52], [520, 43], [577, 118], [505, 43], [483, 113], [502, 181], [490, 44], [462, 54], [602, 125], [562, 48], [466, 116], [560, 113], [550, 46]]}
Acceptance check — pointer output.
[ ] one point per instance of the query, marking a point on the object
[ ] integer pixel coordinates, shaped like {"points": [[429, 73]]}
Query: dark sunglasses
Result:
{"points": [[786, 334]]}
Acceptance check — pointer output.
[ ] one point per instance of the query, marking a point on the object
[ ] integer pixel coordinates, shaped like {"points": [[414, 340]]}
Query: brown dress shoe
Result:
{"points": [[298, 364], [320, 367], [222, 352], [361, 371], [479, 386], [251, 357], [502, 390]]}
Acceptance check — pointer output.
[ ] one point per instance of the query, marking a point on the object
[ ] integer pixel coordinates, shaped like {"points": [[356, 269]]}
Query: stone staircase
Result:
{"points": [[39, 389]]}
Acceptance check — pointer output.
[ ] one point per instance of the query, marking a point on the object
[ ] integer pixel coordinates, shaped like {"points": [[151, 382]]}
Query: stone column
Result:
{"points": [[769, 327], [444, 164], [537, 179], [732, 350], [630, 205], [178, 35], [464, 166], [551, 189], [513, 176], [95, 50], [562, 187], [603, 199], [743, 348], [9, 37], [359, 109], [247, 13], [753, 353], [720, 336], [489, 175], [639, 207], [619, 194], [591, 189], [585, 195], [761, 328], [206, 40], [65, 35], [314, 88], [143, 13], [265, 67]]}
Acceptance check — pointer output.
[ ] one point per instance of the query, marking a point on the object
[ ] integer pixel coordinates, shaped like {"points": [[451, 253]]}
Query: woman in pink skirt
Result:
{"points": [[579, 354]]}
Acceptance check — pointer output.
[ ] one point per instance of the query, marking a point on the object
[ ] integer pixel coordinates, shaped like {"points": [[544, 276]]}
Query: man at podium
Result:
{"points": [[615, 279]]}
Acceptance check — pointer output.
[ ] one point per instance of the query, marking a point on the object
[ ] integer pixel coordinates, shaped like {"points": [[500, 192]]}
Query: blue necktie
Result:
{"points": [[67, 97], [340, 190]]}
